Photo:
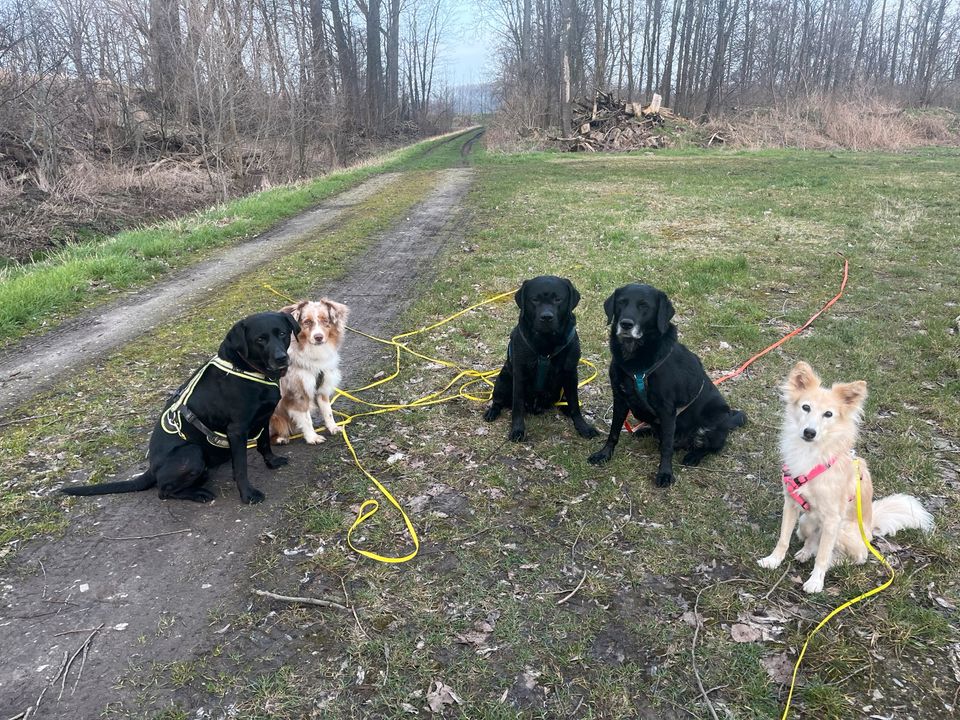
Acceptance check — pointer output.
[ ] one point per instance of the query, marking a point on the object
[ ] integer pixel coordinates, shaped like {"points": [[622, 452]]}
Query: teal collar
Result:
{"points": [[641, 377]]}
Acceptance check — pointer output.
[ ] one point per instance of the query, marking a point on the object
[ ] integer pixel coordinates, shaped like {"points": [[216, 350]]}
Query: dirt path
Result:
{"points": [[151, 597], [32, 365]]}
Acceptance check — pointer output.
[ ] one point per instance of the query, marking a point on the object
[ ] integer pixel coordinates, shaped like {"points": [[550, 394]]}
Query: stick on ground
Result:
{"points": [[301, 600]]}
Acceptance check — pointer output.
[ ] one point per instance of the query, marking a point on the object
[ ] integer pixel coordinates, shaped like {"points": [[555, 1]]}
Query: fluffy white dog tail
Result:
{"points": [[899, 512]]}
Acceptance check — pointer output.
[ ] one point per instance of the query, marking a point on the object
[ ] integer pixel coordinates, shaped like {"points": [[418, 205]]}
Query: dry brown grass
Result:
{"points": [[860, 122], [92, 198]]}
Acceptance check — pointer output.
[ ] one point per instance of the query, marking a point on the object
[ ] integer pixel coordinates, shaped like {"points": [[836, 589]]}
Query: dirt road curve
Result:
{"points": [[151, 596]]}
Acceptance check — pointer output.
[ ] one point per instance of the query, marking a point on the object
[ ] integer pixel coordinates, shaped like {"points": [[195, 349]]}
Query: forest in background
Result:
{"points": [[710, 58], [114, 112]]}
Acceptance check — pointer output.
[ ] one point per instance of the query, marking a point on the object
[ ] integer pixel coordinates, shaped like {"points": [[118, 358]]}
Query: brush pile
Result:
{"points": [[606, 123]]}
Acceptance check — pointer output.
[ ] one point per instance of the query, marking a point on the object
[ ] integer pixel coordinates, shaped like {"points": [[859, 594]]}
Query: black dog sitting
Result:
{"points": [[661, 382], [542, 357], [210, 419]]}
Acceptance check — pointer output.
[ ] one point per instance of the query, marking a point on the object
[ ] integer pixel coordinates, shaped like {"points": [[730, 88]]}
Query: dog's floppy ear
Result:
{"points": [[573, 299], [610, 306], [520, 296], [665, 312], [295, 309], [338, 312], [292, 322], [853, 394], [235, 343], [802, 378]]}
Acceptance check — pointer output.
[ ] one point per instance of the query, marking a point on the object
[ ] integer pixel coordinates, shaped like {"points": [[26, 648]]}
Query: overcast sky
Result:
{"points": [[467, 57]]}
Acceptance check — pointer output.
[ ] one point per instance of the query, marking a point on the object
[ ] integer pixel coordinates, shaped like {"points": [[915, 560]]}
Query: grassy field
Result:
{"points": [[747, 246], [39, 295]]}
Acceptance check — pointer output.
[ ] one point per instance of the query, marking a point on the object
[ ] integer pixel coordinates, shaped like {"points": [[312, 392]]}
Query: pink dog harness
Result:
{"points": [[792, 484]]}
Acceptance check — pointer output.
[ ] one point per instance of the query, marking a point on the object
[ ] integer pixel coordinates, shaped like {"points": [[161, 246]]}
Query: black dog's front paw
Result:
{"points": [[275, 461], [492, 413], [202, 495], [585, 429], [601, 456], [663, 479], [253, 497], [518, 433]]}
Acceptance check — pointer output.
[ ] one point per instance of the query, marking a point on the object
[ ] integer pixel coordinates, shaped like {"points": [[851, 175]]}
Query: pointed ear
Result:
{"points": [[800, 379], [338, 312], [853, 394], [664, 313], [520, 296], [610, 306], [574, 297], [294, 309]]}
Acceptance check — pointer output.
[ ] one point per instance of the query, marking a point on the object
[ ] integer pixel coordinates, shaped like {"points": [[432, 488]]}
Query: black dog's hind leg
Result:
{"points": [[712, 440], [620, 410], [263, 447], [182, 474], [570, 394]]}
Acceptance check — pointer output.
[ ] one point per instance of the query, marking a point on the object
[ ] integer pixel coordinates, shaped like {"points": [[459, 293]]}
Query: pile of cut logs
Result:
{"points": [[607, 123]]}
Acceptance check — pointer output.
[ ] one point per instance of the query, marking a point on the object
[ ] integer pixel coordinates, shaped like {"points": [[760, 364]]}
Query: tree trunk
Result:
{"points": [[393, 62], [665, 82], [164, 38], [374, 69], [566, 23]]}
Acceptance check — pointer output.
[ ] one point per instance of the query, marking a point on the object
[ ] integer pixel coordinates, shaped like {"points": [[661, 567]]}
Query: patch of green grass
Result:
{"points": [[746, 245], [39, 294]]}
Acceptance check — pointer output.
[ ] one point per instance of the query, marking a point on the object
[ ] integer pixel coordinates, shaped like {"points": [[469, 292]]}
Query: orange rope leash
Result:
{"points": [[793, 333]]}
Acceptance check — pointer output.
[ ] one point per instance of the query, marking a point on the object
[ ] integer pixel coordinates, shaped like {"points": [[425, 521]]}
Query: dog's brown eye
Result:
{"points": [[828, 413], [805, 408]]}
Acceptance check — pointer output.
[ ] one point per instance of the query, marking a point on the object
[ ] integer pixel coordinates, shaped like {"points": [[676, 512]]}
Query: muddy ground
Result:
{"points": [[136, 576]]}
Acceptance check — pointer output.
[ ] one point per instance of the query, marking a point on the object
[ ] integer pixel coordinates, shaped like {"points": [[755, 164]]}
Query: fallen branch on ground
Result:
{"points": [[301, 600]]}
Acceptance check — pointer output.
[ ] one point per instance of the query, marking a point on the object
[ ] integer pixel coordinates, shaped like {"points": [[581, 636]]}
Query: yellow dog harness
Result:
{"points": [[172, 419]]}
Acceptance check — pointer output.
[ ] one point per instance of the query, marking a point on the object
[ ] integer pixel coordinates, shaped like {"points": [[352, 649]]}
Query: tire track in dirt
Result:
{"points": [[33, 364], [154, 595]]}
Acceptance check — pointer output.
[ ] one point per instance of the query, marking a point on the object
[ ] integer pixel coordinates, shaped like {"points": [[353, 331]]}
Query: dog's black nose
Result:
{"points": [[546, 316], [626, 324], [809, 433]]}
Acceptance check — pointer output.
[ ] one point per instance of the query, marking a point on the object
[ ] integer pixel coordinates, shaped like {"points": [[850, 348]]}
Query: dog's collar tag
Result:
{"points": [[641, 379]]}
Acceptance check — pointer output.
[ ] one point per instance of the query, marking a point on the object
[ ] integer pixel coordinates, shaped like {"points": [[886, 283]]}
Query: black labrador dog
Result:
{"points": [[542, 357], [661, 382], [210, 419]]}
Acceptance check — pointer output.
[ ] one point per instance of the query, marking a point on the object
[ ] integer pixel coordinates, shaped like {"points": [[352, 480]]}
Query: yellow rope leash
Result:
{"points": [[467, 377], [841, 608]]}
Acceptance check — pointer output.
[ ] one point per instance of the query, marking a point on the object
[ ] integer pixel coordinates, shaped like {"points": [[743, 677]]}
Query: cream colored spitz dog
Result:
{"points": [[819, 473]]}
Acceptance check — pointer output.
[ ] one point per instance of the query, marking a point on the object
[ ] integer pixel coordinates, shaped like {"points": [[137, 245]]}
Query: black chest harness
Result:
{"points": [[172, 419], [543, 361]]}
